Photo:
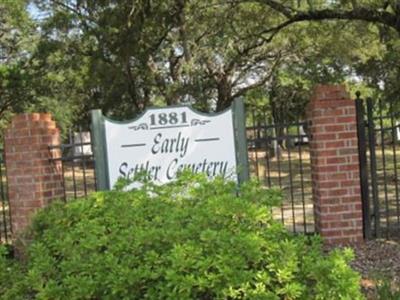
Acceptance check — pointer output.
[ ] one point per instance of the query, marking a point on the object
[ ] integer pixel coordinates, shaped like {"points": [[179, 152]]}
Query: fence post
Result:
{"points": [[362, 152], [335, 166], [33, 181]]}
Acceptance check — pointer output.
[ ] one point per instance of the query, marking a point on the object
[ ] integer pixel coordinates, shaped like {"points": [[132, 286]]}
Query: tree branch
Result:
{"points": [[277, 6], [357, 14], [259, 83]]}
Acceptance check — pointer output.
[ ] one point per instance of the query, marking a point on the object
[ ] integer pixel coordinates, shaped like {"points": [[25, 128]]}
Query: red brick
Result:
{"points": [[349, 167], [340, 224], [46, 117], [334, 144], [347, 151], [335, 128], [38, 131], [18, 124], [327, 168], [324, 120], [350, 232], [33, 117], [337, 176], [335, 165], [21, 118], [338, 192], [347, 135], [327, 233], [327, 153], [32, 179], [46, 140], [328, 184], [340, 208], [351, 198], [352, 215], [324, 137], [335, 160], [346, 119]]}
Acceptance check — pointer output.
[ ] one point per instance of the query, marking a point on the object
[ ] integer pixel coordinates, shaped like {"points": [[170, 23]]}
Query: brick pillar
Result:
{"points": [[33, 181], [335, 166]]}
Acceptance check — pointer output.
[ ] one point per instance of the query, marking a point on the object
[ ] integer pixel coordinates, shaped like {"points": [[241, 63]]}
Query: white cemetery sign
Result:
{"points": [[163, 141]]}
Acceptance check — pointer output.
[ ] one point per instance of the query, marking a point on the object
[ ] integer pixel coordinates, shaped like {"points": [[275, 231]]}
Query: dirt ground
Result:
{"points": [[378, 261]]}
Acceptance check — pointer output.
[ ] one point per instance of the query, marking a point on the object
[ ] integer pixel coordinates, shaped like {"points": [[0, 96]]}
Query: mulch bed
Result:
{"points": [[377, 260]]}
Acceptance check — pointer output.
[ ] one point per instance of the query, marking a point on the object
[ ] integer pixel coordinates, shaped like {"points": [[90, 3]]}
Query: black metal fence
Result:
{"points": [[279, 156], [379, 148], [5, 219], [77, 164]]}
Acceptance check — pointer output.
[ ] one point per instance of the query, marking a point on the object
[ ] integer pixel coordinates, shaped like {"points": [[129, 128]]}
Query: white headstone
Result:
{"points": [[82, 138]]}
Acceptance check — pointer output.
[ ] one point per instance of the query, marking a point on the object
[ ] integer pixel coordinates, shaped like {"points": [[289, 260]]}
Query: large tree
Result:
{"points": [[146, 52], [15, 34], [107, 48], [122, 56], [220, 56], [379, 71]]}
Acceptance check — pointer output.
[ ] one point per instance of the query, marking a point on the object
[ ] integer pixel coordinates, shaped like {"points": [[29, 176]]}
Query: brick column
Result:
{"points": [[335, 166], [33, 181]]}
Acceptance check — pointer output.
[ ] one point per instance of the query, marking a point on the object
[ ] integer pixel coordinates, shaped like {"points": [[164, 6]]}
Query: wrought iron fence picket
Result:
{"points": [[279, 150], [5, 215], [382, 167], [77, 167]]}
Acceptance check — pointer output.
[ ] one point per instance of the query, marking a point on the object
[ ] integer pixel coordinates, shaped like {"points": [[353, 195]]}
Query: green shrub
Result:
{"points": [[191, 239], [386, 290], [13, 284]]}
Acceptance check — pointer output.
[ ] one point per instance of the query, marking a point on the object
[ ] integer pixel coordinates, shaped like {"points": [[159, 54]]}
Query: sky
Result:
{"points": [[34, 11]]}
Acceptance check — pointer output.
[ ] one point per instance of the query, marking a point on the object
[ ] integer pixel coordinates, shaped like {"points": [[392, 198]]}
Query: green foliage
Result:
{"points": [[385, 290], [15, 39], [12, 277], [72, 56], [190, 239]]}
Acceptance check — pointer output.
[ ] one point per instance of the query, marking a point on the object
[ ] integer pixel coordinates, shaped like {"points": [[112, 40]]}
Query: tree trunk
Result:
{"points": [[224, 89]]}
